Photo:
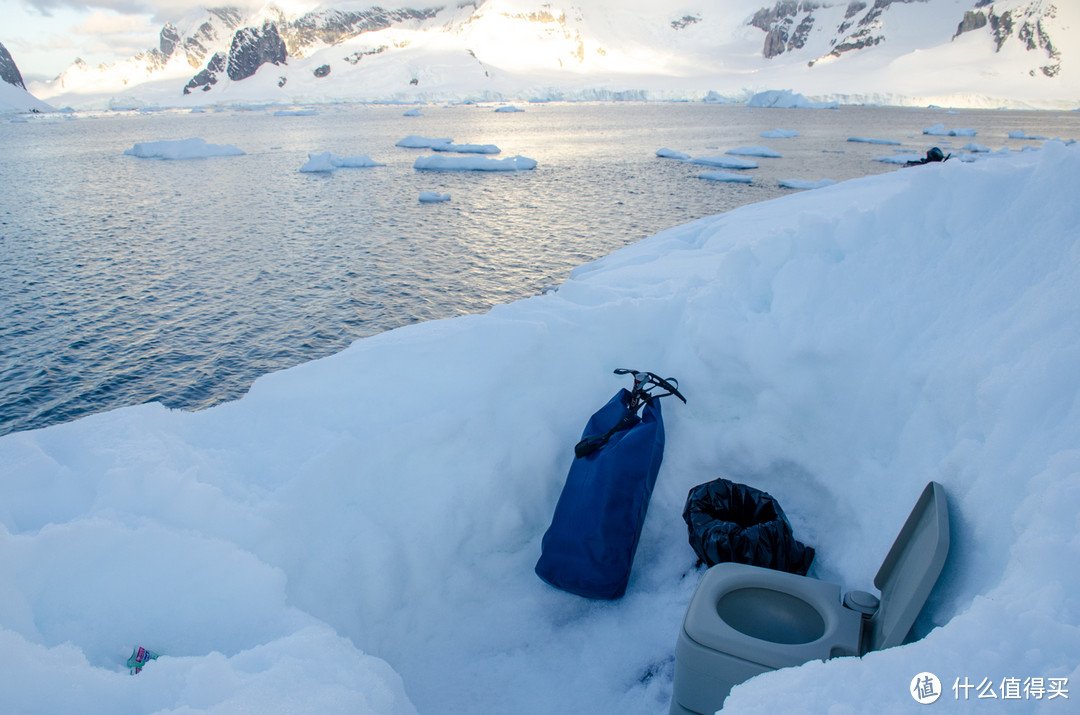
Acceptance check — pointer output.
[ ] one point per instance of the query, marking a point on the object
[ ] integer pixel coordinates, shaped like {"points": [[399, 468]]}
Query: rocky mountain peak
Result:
{"points": [[9, 72]]}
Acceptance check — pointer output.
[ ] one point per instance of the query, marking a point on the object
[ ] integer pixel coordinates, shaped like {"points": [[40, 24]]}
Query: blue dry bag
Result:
{"points": [[589, 547]]}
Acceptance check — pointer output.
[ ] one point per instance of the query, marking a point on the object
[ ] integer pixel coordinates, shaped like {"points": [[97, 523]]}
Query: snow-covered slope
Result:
{"points": [[357, 534], [960, 52]]}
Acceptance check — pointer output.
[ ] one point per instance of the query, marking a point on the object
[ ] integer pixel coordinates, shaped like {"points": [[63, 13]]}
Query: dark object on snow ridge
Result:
{"points": [[933, 155], [589, 547], [728, 521]]}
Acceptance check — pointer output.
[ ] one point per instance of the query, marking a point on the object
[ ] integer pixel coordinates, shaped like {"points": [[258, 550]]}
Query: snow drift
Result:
{"points": [[357, 534]]}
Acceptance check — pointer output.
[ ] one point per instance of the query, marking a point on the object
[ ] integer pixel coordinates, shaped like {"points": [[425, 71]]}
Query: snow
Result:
{"points": [[759, 151], [724, 162], [780, 134], [473, 163], [787, 99], [666, 153], [357, 534], [326, 161], [417, 142], [804, 184], [194, 148], [867, 140], [433, 197], [940, 130], [726, 176]]}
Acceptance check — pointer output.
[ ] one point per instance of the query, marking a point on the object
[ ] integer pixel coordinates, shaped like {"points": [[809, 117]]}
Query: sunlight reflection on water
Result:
{"points": [[127, 280]]}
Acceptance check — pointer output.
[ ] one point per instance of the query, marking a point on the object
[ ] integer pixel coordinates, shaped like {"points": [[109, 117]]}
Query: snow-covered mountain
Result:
{"points": [[957, 52], [13, 94]]}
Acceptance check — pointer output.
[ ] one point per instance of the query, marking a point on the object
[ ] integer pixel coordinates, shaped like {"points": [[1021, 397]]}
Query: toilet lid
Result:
{"points": [[911, 568]]}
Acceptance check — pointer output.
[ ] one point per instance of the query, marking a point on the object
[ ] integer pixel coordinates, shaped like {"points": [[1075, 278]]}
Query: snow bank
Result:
{"points": [[780, 134], [759, 151], [473, 163], [726, 176], [786, 99], [194, 148], [326, 161], [361, 529], [665, 153], [724, 162]]}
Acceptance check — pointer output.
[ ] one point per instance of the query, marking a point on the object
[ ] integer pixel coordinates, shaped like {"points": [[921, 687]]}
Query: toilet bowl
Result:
{"points": [[745, 620]]}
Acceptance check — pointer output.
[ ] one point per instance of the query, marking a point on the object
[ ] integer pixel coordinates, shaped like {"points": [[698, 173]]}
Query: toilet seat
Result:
{"points": [[750, 612]]}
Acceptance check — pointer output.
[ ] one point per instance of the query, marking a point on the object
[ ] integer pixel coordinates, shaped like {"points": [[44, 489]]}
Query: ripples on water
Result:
{"points": [[126, 280]]}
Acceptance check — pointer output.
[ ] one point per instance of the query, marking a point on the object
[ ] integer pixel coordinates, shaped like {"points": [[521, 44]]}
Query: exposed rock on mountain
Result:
{"points": [[208, 77], [9, 72], [778, 23], [330, 27], [252, 48]]}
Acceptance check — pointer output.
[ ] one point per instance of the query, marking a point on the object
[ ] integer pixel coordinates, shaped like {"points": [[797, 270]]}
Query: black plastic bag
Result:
{"points": [[728, 521]]}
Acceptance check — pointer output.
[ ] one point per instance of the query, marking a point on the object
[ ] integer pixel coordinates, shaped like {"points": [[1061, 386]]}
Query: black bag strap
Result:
{"points": [[643, 383]]}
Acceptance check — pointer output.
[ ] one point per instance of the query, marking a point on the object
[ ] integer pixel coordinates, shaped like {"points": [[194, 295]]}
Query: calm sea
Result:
{"points": [[127, 280]]}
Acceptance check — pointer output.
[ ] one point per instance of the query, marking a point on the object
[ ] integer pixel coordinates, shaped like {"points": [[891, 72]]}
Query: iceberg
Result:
{"points": [[787, 99], [326, 161], [724, 162], [417, 142], [866, 140], [759, 151], [725, 176], [780, 134], [433, 197], [473, 163], [941, 131], [194, 148], [467, 148], [665, 153], [802, 184]]}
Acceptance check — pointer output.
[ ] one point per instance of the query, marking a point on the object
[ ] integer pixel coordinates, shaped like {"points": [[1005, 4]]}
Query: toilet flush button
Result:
{"points": [[861, 601]]}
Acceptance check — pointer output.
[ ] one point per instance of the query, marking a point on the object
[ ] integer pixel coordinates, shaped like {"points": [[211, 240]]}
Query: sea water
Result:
{"points": [[125, 280]]}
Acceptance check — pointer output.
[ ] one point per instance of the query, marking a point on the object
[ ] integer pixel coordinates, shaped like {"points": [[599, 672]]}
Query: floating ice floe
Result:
{"points": [[977, 148], [786, 99], [761, 151], [780, 134], [325, 161], [801, 184], [414, 142], [509, 109], [726, 176], [900, 158], [433, 197], [473, 163], [666, 153], [939, 130], [867, 140], [467, 148], [724, 162], [295, 113], [193, 148], [413, 113], [1021, 134]]}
